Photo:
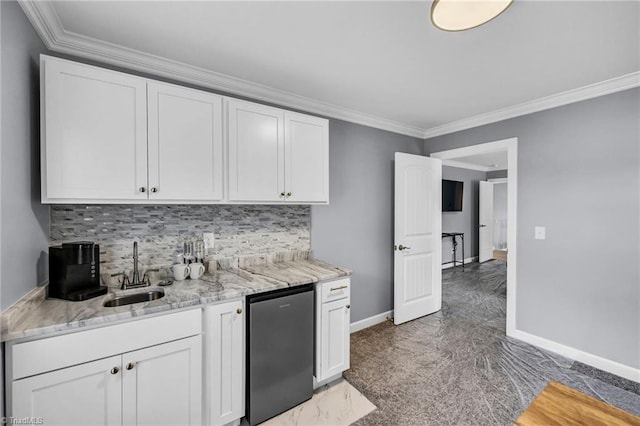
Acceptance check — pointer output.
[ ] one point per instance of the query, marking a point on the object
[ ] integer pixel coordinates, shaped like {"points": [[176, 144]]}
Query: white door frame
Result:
{"points": [[511, 146], [486, 224]]}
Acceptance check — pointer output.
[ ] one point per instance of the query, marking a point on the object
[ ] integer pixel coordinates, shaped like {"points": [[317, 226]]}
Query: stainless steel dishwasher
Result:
{"points": [[279, 351]]}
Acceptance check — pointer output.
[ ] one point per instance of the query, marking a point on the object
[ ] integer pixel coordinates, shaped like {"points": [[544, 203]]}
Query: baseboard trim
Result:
{"points": [[371, 321], [467, 260], [607, 365]]}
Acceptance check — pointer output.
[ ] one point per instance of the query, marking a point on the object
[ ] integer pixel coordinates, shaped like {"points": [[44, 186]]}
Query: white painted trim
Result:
{"points": [[511, 146], [466, 262], [464, 165], [612, 367], [613, 85], [483, 148], [371, 321], [498, 180], [46, 22]]}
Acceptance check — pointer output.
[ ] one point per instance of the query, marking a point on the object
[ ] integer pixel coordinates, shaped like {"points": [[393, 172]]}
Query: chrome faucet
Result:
{"points": [[135, 280], [136, 275]]}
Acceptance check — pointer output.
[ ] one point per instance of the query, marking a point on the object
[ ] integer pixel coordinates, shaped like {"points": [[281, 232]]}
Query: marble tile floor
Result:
{"points": [[336, 404], [457, 367]]}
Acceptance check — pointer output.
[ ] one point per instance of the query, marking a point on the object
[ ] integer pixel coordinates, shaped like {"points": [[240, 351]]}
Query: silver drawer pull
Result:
{"points": [[339, 288]]}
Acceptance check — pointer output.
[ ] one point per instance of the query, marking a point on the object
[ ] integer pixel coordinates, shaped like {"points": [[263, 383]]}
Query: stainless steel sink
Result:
{"points": [[146, 296]]}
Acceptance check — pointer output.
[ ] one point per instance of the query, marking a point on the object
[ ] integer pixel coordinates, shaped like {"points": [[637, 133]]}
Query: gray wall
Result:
{"points": [[497, 174], [467, 220], [578, 175], [25, 222], [356, 229]]}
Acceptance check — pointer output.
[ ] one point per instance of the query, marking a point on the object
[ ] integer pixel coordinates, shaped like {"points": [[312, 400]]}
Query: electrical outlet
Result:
{"points": [[209, 240], [540, 232]]}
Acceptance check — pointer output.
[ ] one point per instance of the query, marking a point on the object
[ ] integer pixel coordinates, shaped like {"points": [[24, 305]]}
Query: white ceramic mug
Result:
{"points": [[181, 271], [197, 270]]}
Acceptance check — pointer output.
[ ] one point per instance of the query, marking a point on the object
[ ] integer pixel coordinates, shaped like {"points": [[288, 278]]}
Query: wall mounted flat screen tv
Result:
{"points": [[451, 196]]}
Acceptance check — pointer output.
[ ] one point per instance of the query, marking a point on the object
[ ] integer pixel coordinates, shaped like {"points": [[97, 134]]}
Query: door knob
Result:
{"points": [[130, 366], [482, 226], [401, 247]]}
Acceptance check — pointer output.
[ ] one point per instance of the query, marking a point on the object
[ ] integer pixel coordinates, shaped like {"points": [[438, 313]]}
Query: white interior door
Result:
{"points": [[485, 233], [418, 229]]}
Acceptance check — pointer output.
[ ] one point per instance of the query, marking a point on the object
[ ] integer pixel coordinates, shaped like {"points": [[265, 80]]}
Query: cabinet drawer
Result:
{"points": [[335, 290], [39, 356]]}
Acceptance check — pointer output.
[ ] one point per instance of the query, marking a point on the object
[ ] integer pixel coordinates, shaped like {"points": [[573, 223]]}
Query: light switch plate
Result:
{"points": [[540, 232], [209, 240]]}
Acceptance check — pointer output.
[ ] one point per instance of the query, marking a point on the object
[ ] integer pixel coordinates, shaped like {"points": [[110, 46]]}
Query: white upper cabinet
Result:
{"points": [[306, 164], [276, 155], [185, 144], [110, 137], [256, 152], [94, 130]]}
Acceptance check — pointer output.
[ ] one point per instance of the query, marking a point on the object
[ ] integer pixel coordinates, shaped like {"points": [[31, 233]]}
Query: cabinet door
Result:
{"points": [[334, 352], [94, 133], [256, 152], [185, 144], [225, 361], [306, 158], [86, 394], [162, 385]]}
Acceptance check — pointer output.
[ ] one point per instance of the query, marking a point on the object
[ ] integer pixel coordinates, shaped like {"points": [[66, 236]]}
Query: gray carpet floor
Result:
{"points": [[457, 367]]}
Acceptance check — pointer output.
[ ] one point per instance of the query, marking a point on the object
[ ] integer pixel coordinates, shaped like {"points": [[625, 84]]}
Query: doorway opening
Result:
{"points": [[482, 152]]}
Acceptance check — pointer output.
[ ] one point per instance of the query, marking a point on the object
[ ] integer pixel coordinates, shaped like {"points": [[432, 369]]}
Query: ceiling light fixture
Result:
{"points": [[460, 15]]}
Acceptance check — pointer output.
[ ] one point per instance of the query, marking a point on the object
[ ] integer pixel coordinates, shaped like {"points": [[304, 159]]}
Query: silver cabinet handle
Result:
{"points": [[348, 306], [115, 370], [130, 366], [142, 189], [282, 194], [239, 310], [288, 194], [338, 288], [154, 189]]}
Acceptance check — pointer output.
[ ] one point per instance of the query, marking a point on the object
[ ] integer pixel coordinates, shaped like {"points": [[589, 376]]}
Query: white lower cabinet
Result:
{"points": [[225, 324], [162, 385], [333, 318], [147, 372], [86, 394]]}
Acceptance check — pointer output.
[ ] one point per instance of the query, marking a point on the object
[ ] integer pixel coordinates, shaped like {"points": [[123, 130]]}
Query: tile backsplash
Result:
{"points": [[240, 230]]}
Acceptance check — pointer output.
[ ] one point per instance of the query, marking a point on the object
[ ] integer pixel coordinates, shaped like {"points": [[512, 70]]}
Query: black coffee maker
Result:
{"points": [[74, 271]]}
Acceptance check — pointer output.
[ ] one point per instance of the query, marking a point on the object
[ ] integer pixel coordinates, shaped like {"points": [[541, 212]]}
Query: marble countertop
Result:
{"points": [[35, 316]]}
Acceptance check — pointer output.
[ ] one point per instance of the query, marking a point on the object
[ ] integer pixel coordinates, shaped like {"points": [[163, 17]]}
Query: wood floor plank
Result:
{"points": [[558, 404]]}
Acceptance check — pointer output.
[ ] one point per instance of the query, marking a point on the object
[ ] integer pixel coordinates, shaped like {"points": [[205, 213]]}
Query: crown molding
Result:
{"points": [[44, 19], [617, 84], [46, 22]]}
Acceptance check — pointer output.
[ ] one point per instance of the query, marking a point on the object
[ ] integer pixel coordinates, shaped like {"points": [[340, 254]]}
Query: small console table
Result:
{"points": [[454, 242]]}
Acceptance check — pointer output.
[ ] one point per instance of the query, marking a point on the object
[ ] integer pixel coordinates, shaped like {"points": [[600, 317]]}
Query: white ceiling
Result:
{"points": [[382, 59]]}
